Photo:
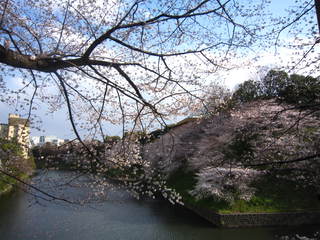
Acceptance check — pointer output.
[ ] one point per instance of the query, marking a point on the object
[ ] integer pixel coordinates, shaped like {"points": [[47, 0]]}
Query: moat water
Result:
{"points": [[119, 216]]}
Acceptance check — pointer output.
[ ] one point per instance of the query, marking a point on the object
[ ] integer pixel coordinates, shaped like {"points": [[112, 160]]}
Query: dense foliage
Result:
{"points": [[293, 89]]}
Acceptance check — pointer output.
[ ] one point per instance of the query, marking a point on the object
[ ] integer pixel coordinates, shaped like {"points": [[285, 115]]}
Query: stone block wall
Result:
{"points": [[269, 219], [258, 219]]}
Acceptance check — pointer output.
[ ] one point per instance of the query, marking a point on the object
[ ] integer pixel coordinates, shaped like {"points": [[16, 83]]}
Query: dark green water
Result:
{"points": [[22, 217]]}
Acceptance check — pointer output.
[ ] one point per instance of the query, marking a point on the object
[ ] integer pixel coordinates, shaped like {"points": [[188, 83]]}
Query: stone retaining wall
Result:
{"points": [[258, 219]]}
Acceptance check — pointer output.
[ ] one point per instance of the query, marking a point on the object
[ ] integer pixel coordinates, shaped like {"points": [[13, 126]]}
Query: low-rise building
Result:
{"points": [[41, 140], [17, 128]]}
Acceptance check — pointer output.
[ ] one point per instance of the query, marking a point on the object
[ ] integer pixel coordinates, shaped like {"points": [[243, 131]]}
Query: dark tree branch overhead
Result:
{"points": [[317, 5], [46, 64]]}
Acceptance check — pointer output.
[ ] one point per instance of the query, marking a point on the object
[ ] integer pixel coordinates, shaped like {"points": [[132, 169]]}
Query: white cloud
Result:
{"points": [[284, 58]]}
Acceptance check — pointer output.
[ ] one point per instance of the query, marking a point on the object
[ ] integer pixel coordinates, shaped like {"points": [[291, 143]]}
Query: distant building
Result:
{"points": [[41, 140], [34, 141], [19, 129]]}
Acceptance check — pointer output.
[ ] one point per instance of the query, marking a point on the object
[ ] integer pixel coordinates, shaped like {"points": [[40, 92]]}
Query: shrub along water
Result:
{"points": [[13, 163]]}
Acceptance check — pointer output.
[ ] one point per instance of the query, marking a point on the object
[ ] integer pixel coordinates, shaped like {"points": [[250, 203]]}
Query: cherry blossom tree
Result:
{"points": [[137, 62], [130, 60]]}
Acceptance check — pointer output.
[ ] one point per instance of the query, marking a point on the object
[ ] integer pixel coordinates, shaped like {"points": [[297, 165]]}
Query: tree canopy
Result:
{"points": [[293, 89]]}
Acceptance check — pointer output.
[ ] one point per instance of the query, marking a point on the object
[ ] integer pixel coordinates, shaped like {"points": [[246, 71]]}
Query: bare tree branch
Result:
{"points": [[53, 197], [314, 157]]}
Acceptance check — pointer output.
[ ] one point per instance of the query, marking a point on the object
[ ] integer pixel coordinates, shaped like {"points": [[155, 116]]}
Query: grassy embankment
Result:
{"points": [[272, 196]]}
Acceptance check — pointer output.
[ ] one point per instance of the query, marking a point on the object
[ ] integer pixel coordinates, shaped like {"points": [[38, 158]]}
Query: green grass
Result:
{"points": [[272, 195]]}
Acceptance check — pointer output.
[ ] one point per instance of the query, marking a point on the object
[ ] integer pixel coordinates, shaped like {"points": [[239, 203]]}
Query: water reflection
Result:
{"points": [[119, 217]]}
